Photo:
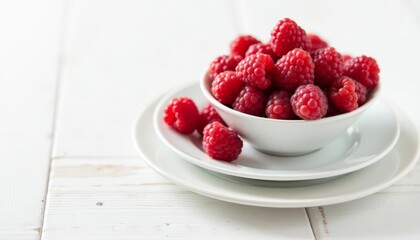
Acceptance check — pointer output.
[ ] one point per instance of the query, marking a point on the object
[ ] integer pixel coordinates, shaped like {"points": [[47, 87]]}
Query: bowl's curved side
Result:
{"points": [[284, 137]]}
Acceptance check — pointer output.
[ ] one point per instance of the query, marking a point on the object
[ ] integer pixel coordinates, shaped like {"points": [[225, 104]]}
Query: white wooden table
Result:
{"points": [[75, 74]]}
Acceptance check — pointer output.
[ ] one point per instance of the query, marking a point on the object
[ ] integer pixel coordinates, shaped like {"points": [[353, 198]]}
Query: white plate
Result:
{"points": [[354, 185], [368, 140]]}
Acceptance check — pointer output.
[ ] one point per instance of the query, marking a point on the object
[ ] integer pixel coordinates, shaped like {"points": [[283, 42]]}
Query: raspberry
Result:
{"points": [[240, 45], [208, 115], [309, 102], [250, 101], [328, 66], [262, 48], [223, 63], [256, 70], [278, 106], [342, 94], [294, 69], [361, 92], [364, 70], [226, 87], [316, 42], [182, 115], [346, 57], [332, 110], [221, 143], [287, 35]]}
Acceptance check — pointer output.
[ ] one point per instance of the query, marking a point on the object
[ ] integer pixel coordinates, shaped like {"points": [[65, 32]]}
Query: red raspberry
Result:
{"points": [[221, 143], [250, 101], [342, 94], [208, 115], [328, 66], [262, 48], [223, 63], [309, 102], [364, 70], [346, 57], [256, 70], [287, 35], [332, 110], [294, 69], [182, 115], [278, 106], [316, 42], [361, 93], [240, 45], [226, 87]]}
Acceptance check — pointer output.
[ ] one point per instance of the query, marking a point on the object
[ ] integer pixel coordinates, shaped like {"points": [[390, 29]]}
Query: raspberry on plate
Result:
{"points": [[294, 69], [363, 69], [221, 143], [342, 94], [250, 101], [309, 102], [262, 48], [182, 115], [223, 63], [278, 106], [287, 35], [361, 93], [316, 42], [208, 115], [240, 45], [328, 66], [226, 87], [256, 70]]}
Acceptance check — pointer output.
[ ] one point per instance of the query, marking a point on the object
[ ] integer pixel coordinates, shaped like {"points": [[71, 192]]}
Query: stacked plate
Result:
{"points": [[375, 152]]}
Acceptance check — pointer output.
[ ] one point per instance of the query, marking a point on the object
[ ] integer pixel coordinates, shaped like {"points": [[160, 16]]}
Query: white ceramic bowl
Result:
{"points": [[285, 137]]}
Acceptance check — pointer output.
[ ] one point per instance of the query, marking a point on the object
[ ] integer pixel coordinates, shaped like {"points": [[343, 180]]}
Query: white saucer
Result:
{"points": [[367, 141], [354, 185]]}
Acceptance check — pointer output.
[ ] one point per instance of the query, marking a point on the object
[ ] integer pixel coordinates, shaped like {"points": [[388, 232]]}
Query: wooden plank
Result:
{"points": [[380, 216], [28, 70], [123, 54], [122, 198]]}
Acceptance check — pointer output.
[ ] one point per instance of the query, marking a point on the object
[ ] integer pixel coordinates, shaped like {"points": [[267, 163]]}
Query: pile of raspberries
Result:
{"points": [[293, 76]]}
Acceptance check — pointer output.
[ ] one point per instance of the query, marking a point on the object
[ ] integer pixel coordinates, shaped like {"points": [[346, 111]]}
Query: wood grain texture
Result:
{"points": [[122, 198], [379, 216], [123, 54], [28, 70]]}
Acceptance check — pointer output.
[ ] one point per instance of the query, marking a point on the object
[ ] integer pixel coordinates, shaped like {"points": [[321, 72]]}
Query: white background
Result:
{"points": [[75, 74]]}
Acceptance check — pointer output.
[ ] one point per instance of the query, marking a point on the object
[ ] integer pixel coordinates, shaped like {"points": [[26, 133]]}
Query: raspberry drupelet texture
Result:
{"points": [[309, 102], [226, 87], [221, 143], [345, 57], [287, 35], [208, 115], [182, 115], [363, 69], [262, 48], [294, 69], [316, 42], [223, 63], [256, 70], [342, 94], [361, 93], [240, 45], [278, 106], [250, 101], [328, 66]]}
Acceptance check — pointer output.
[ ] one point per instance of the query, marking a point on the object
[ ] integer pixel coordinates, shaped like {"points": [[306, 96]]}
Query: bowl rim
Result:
{"points": [[205, 89]]}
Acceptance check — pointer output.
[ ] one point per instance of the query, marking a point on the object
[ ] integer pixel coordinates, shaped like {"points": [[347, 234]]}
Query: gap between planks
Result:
{"points": [[60, 66]]}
